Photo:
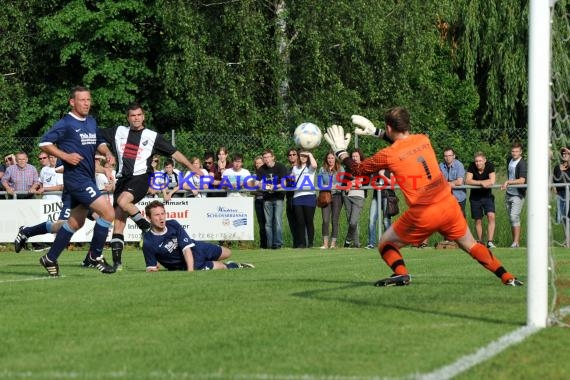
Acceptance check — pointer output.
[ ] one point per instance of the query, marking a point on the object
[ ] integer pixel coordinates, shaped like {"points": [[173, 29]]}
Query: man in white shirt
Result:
{"points": [[237, 178], [49, 179]]}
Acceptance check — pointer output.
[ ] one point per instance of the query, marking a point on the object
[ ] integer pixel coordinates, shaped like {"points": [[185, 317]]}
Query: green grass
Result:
{"points": [[301, 314]]}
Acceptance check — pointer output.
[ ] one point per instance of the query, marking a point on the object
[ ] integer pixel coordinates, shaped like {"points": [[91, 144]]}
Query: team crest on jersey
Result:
{"points": [[171, 245]]}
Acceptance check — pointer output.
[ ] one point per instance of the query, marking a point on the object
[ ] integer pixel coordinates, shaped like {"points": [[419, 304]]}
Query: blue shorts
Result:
{"points": [[204, 252], [65, 205], [481, 207], [82, 192]]}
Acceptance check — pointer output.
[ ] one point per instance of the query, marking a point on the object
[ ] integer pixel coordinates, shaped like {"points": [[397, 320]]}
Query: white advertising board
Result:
{"points": [[204, 218]]}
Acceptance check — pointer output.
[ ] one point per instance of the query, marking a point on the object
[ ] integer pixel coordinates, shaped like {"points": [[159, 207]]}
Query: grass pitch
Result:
{"points": [[300, 314]]}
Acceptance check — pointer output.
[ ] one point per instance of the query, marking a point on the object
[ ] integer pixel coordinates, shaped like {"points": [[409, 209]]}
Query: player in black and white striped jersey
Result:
{"points": [[134, 147]]}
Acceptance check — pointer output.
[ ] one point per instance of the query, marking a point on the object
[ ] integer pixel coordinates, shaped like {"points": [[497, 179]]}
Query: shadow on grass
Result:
{"points": [[320, 295]]}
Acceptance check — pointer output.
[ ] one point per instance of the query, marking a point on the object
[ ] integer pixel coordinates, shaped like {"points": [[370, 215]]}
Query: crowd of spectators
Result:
{"points": [[302, 179]]}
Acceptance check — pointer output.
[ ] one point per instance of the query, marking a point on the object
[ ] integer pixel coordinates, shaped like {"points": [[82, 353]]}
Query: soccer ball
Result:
{"points": [[307, 136]]}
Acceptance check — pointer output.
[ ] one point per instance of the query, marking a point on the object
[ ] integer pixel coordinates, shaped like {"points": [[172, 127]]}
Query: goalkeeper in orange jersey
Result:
{"points": [[432, 207]]}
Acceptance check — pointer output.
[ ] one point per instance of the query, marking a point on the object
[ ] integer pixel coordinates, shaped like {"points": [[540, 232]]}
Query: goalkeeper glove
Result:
{"points": [[364, 127], [337, 140]]}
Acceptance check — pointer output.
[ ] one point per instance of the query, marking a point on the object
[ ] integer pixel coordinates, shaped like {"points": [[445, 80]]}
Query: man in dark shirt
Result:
{"points": [[272, 176], [482, 173], [74, 139]]}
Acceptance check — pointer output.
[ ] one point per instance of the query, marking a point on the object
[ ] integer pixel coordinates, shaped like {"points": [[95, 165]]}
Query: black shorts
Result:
{"points": [[483, 206], [137, 186]]}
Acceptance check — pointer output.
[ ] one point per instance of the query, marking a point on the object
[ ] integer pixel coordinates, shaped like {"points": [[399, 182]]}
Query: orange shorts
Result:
{"points": [[419, 222]]}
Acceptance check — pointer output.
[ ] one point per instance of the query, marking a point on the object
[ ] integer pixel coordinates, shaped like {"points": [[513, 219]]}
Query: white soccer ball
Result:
{"points": [[307, 136]]}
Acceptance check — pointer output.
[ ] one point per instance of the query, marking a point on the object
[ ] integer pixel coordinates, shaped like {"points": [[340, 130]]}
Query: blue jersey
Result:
{"points": [[167, 249], [73, 135]]}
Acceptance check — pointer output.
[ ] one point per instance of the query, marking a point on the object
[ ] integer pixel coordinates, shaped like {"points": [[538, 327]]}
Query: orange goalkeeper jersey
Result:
{"points": [[415, 167]]}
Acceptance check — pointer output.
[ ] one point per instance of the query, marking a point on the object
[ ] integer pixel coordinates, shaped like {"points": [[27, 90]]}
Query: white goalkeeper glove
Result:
{"points": [[337, 140], [364, 127]]}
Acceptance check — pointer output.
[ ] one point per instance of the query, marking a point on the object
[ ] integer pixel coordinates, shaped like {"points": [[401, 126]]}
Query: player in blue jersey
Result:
{"points": [[168, 243], [75, 139]]}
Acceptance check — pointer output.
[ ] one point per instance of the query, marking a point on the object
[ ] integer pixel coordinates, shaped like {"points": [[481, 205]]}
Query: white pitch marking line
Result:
{"points": [[494, 348], [27, 279]]}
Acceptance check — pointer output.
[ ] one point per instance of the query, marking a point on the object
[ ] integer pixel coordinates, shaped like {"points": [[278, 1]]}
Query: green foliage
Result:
{"points": [[105, 46], [493, 52], [260, 68]]}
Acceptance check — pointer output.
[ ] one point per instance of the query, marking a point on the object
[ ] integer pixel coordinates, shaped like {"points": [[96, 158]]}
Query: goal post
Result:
{"points": [[538, 159]]}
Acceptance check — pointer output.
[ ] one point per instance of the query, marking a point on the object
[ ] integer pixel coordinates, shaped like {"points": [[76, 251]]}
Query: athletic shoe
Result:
{"points": [[515, 245], [234, 265], [369, 246], [347, 244], [395, 280], [491, 245], [100, 264], [514, 282], [118, 267], [51, 266], [86, 264], [20, 241]]}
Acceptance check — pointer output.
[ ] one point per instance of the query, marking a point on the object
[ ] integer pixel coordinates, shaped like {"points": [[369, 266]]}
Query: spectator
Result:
{"points": [[292, 157], [237, 178], [168, 243], [2, 170], [155, 164], [270, 176], [221, 164], [481, 173], [258, 204], [353, 203], [195, 191], [171, 175], [373, 215], [9, 160], [454, 173], [21, 177], [209, 164], [305, 199], [514, 197], [329, 178], [104, 175], [49, 179], [562, 175]]}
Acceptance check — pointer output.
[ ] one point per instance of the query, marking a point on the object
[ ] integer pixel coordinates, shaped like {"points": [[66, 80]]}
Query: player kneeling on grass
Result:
{"points": [[168, 243], [432, 207]]}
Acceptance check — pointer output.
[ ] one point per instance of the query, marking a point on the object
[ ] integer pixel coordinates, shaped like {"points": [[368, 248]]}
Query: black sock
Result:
{"points": [[117, 243], [141, 222]]}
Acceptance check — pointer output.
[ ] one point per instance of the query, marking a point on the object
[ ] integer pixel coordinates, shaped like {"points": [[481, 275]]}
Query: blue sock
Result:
{"points": [[60, 242], [38, 229], [100, 233]]}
